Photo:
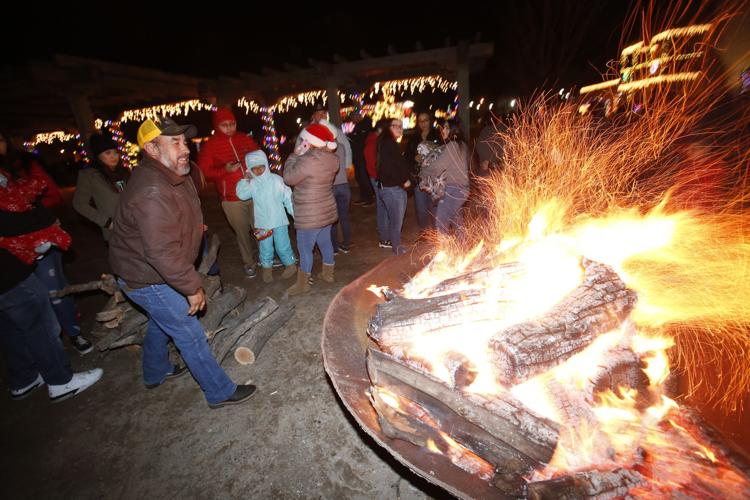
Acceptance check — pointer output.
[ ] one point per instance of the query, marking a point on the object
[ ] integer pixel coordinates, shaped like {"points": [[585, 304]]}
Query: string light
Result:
{"points": [[49, 138], [174, 109], [270, 139]]}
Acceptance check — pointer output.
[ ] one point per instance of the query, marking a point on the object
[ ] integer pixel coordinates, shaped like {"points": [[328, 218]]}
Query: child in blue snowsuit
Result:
{"points": [[272, 199]]}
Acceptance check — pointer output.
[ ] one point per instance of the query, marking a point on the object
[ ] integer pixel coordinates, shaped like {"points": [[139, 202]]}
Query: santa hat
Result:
{"points": [[319, 136], [222, 115]]}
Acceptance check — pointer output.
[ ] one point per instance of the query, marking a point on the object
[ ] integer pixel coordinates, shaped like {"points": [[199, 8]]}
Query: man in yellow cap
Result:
{"points": [[158, 227]]}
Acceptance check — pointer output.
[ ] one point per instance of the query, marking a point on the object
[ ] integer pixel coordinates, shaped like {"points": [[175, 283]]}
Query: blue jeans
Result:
{"points": [[306, 240], [49, 271], [380, 212], [343, 195], [279, 240], [168, 318], [394, 199], [214, 271], [30, 336], [425, 209], [448, 212]]}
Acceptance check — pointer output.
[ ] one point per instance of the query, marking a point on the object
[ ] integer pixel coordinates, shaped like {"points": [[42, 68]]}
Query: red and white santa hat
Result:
{"points": [[319, 136]]}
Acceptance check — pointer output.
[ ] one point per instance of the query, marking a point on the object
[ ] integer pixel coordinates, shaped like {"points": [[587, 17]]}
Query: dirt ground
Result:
{"points": [[119, 440]]}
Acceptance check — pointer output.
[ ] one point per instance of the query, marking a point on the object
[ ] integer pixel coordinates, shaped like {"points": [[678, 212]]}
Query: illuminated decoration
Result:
{"points": [[643, 65], [80, 153], [49, 138], [270, 139], [646, 82], [124, 147], [599, 86], [174, 109], [248, 105]]}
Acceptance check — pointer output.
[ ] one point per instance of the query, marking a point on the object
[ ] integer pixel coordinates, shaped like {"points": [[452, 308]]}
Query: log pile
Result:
{"points": [[229, 320]]}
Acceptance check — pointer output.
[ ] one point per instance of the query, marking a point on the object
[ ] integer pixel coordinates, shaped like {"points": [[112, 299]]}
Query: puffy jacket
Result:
{"points": [[271, 197], [158, 227], [312, 177], [219, 150]]}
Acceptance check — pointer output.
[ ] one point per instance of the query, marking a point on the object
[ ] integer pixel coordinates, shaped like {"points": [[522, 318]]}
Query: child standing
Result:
{"points": [[272, 199]]}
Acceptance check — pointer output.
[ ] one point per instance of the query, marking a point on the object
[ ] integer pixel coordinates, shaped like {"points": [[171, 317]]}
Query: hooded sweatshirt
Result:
{"points": [[271, 197], [222, 149]]}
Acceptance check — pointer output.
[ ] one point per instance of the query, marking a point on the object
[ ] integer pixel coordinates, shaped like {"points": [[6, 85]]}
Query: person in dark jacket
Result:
{"points": [[158, 228], [358, 136], [29, 336], [98, 187], [393, 181]]}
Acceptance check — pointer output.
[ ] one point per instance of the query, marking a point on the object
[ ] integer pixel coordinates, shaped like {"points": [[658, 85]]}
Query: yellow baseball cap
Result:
{"points": [[153, 128]]}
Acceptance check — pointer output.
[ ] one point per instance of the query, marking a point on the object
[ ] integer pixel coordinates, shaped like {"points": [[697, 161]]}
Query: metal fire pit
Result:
{"points": [[344, 347]]}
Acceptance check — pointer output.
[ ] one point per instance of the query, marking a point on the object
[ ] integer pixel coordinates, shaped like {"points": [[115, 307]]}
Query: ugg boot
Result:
{"points": [[289, 271], [267, 274], [326, 274], [302, 285]]}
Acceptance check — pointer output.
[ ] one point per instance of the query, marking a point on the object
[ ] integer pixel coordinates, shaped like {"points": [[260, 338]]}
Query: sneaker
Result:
{"points": [[25, 391], [250, 271], [81, 345], [385, 244], [178, 371], [79, 383], [344, 249], [336, 252], [277, 263], [367, 204], [363, 203], [241, 394]]}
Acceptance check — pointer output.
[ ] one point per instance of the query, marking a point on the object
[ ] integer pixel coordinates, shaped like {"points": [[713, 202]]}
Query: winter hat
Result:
{"points": [[99, 143], [222, 115], [256, 158], [319, 136], [330, 126]]}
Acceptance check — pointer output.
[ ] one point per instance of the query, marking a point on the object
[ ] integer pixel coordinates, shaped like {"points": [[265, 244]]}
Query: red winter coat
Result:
{"points": [[222, 149]]}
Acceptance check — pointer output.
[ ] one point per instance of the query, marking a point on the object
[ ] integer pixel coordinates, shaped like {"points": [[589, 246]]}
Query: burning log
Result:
{"points": [[252, 343], [502, 433], [598, 305], [589, 484]]}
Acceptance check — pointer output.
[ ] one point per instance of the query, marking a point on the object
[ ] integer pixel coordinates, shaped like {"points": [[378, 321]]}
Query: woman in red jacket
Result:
{"points": [[221, 159]]}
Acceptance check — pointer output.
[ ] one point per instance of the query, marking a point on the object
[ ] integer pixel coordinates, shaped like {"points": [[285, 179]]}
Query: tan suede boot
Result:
{"points": [[301, 286], [326, 274], [289, 271], [267, 274]]}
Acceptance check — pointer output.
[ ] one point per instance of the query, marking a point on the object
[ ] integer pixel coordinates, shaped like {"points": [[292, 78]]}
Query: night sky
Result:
{"points": [[538, 43]]}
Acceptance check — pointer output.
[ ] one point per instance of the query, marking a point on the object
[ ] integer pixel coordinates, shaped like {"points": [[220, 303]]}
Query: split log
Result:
{"points": [[590, 484], [250, 345], [236, 325], [508, 436], [131, 323], [209, 259], [218, 307], [598, 305], [107, 284]]}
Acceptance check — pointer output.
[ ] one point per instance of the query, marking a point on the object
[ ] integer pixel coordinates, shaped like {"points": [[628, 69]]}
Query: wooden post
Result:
{"points": [[84, 117], [464, 94], [334, 105]]}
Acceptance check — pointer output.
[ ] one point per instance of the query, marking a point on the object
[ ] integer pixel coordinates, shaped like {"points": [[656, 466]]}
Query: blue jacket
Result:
{"points": [[269, 193]]}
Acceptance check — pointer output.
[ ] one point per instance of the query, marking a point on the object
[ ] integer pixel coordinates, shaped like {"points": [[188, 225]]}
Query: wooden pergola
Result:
{"points": [[69, 92]]}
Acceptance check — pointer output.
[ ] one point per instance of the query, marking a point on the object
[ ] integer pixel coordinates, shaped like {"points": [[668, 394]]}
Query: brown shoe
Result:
{"points": [[301, 286], [267, 274], [289, 271], [326, 274]]}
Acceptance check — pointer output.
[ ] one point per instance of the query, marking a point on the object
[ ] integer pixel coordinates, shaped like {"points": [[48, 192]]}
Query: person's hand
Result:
{"points": [[204, 227], [407, 184], [232, 167], [197, 302]]}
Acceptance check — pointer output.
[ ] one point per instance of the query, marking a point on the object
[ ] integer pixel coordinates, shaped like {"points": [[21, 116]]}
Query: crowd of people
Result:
{"points": [[152, 222]]}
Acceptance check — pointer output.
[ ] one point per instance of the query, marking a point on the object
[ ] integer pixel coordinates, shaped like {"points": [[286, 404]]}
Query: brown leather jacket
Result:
{"points": [[158, 226]]}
